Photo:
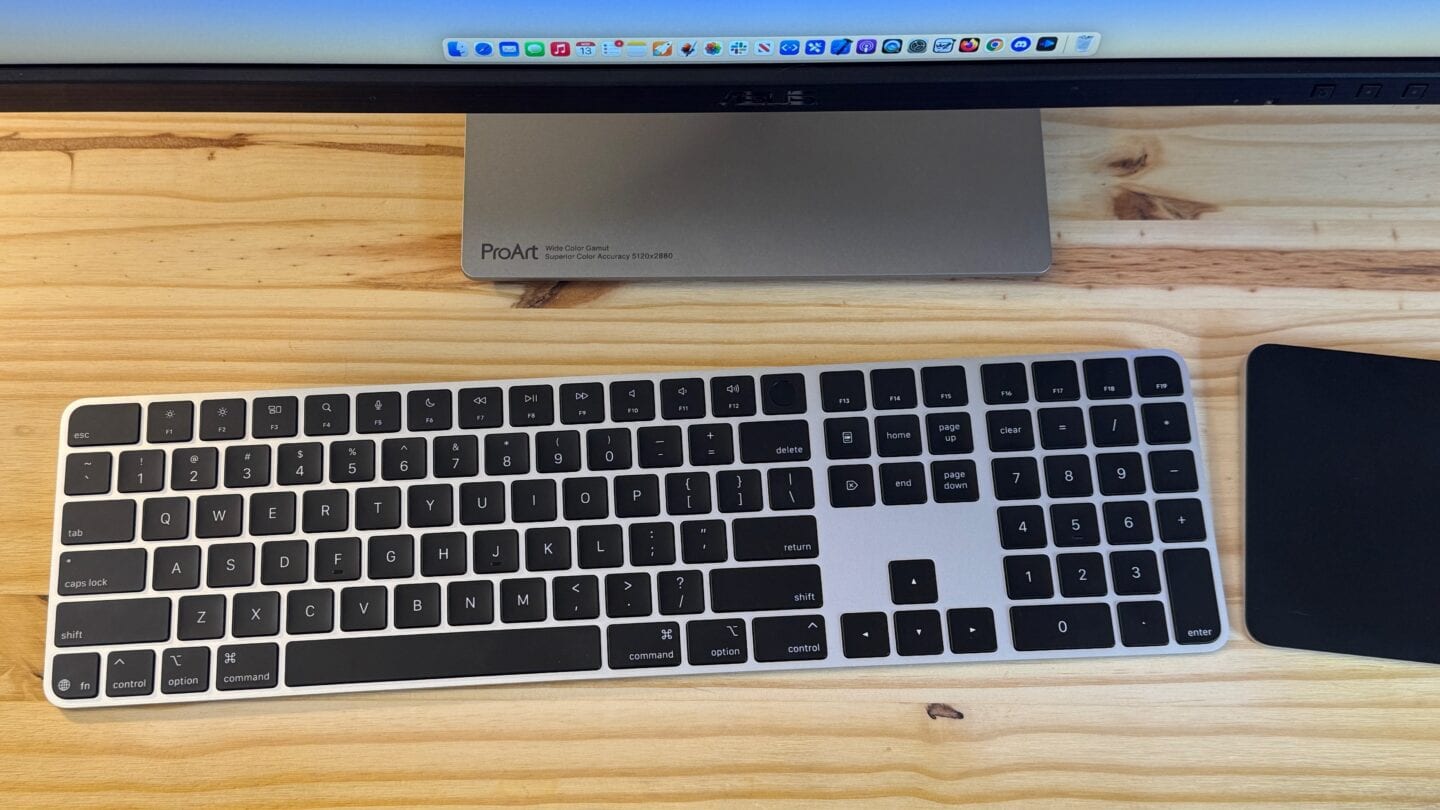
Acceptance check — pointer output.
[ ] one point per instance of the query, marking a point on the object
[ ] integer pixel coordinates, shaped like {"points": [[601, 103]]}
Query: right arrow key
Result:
{"points": [[972, 630]]}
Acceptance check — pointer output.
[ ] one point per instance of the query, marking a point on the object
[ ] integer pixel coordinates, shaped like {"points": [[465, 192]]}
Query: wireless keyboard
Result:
{"points": [[350, 539]]}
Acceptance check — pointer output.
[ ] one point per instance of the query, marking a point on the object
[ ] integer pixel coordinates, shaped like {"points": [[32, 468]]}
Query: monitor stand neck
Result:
{"points": [[755, 195]]}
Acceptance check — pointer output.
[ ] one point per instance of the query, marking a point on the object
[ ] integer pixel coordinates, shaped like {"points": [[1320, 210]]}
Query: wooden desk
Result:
{"points": [[187, 253]]}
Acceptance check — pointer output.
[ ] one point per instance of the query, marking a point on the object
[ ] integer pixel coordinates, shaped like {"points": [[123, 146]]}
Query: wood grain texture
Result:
{"points": [[144, 254]]}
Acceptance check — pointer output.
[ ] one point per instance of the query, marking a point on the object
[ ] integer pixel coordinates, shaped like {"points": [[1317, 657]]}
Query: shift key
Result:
{"points": [[781, 587], [113, 621]]}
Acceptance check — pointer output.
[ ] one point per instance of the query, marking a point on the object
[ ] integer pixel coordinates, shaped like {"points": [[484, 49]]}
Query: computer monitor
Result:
{"points": [[887, 175]]}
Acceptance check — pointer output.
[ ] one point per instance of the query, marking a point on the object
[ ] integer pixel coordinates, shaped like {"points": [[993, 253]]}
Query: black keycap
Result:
{"points": [[1081, 575], [627, 595], [632, 646], [482, 503], [1028, 577], [442, 554], [847, 438], [902, 483], [87, 473], [230, 565], [842, 391], [1056, 381], [1075, 524], [298, 464], [194, 468], [442, 655], [352, 462], [660, 446], [789, 638], [284, 562], [1084, 626], [1021, 527], [85, 522], [1068, 477], [865, 635], [113, 621], [219, 516], [1127, 522], [176, 568], [912, 582], [255, 614], [687, 493], [1004, 383], [114, 571], [711, 444], [1180, 521], [632, 401], [1010, 431], [637, 495], [557, 451], [165, 519], [732, 396], [469, 603], [893, 389], [200, 618], [141, 471], [327, 415], [972, 630], [1107, 378], [272, 513], [1173, 471], [917, 632], [481, 408], [432, 505], [547, 549], [276, 418], [75, 676], [1120, 473], [586, 498], [96, 425], [949, 433], [738, 490], [681, 592], [496, 551], [337, 559], [378, 508], [782, 394], [362, 609], [582, 403], [1062, 428], [1165, 423], [652, 544], [776, 538], [1113, 426], [954, 481], [129, 673], [792, 488], [1016, 479], [1142, 624], [576, 598], [682, 399], [507, 454], [944, 386], [184, 670], [764, 442], [720, 641], [222, 419], [781, 587], [417, 605], [1191, 584], [247, 466], [377, 413], [247, 666], [1135, 572], [1158, 376], [390, 556], [403, 459], [532, 405], [897, 435], [428, 410], [169, 422], [608, 449], [852, 485], [309, 612], [326, 511], [703, 541]]}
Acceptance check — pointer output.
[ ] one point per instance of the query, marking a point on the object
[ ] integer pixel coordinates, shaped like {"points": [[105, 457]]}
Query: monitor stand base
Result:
{"points": [[755, 195]]}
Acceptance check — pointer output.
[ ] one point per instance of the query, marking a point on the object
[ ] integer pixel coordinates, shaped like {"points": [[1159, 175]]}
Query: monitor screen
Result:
{"points": [[519, 33]]}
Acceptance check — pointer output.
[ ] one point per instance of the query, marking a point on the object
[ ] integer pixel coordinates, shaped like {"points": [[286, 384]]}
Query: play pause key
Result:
{"points": [[972, 630]]}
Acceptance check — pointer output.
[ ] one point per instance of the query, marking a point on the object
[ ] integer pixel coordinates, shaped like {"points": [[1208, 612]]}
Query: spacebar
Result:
{"points": [[441, 655]]}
